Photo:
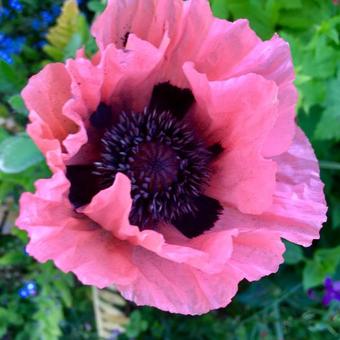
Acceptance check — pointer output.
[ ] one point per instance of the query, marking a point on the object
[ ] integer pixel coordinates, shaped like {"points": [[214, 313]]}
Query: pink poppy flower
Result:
{"points": [[177, 163]]}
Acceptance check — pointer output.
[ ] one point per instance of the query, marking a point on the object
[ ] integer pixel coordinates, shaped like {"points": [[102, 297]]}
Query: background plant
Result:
{"points": [[39, 302]]}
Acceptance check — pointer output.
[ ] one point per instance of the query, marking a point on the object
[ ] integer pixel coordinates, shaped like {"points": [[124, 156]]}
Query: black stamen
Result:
{"points": [[166, 97]]}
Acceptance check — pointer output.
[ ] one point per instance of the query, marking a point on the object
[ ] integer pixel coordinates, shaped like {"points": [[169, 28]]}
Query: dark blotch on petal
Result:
{"points": [[102, 118], [207, 214], [166, 97], [125, 38], [84, 184], [216, 150]]}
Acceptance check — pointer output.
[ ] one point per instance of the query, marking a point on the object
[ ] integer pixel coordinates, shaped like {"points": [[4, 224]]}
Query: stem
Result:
{"points": [[271, 305], [329, 165], [277, 323]]}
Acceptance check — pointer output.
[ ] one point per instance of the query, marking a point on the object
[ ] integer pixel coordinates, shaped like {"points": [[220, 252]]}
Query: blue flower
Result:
{"points": [[28, 290], [47, 17], [4, 13], [16, 5], [6, 57], [9, 47], [36, 24], [55, 10]]}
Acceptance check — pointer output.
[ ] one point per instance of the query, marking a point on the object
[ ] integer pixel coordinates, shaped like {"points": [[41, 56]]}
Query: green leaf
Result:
{"points": [[9, 317], [260, 20], [323, 264], [137, 325], [12, 258], [293, 253], [97, 6], [18, 104], [18, 153], [329, 124], [220, 8]]}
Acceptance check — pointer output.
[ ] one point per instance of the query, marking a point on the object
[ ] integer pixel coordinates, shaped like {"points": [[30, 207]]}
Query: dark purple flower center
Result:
{"points": [[168, 165], [163, 156], [155, 166]]}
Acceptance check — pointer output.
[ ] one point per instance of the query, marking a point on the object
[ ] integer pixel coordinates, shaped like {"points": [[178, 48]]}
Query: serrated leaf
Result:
{"points": [[18, 153], [61, 38], [329, 124]]}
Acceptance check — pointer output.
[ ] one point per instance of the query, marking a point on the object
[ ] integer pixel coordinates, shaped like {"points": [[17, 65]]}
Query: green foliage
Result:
{"points": [[329, 124], [293, 253], [14, 161], [69, 34], [17, 104], [10, 81], [97, 6], [324, 264]]}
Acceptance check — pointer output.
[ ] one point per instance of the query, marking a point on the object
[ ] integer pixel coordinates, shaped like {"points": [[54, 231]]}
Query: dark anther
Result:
{"points": [[203, 219], [166, 97], [216, 149], [102, 118], [84, 184]]}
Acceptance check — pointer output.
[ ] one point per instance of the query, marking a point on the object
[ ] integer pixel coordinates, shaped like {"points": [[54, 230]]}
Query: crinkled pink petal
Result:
{"points": [[225, 45], [272, 59], [299, 207], [242, 111], [110, 208], [178, 288], [208, 252], [86, 83], [56, 114], [245, 180], [257, 253], [139, 66], [44, 139], [148, 19], [299, 199], [187, 43], [46, 94], [73, 242]]}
